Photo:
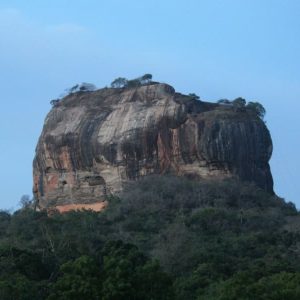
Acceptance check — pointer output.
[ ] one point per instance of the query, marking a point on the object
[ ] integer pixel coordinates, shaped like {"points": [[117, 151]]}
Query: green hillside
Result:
{"points": [[163, 238]]}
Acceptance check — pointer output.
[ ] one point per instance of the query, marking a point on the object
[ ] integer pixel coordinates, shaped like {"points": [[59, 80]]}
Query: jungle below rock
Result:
{"points": [[164, 237]]}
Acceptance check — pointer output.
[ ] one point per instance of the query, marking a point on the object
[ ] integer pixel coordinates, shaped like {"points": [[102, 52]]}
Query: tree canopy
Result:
{"points": [[240, 103], [122, 82], [164, 238], [119, 82], [257, 108]]}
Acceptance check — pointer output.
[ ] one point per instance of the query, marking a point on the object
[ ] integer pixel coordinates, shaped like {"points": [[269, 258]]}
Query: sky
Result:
{"points": [[214, 48]]}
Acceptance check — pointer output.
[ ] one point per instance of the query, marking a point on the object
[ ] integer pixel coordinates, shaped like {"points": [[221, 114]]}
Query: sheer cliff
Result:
{"points": [[94, 142]]}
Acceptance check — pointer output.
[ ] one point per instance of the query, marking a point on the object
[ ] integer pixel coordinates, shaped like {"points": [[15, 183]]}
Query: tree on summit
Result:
{"points": [[146, 78], [119, 82], [194, 96], [82, 87], [257, 108], [122, 82], [239, 102]]}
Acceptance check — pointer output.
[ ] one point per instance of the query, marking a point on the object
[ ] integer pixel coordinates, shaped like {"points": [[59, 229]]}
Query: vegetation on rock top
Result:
{"points": [[121, 82]]}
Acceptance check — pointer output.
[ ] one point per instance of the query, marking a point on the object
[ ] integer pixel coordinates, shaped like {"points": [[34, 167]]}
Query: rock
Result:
{"points": [[94, 142]]}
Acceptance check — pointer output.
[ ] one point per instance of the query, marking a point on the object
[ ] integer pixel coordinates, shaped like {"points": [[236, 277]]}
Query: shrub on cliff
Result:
{"points": [[240, 104], [194, 96], [225, 102], [122, 82], [146, 78], [82, 87], [257, 109], [119, 82], [133, 83], [55, 102]]}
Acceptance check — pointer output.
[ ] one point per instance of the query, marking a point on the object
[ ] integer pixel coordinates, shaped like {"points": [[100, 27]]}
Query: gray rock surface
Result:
{"points": [[94, 142]]}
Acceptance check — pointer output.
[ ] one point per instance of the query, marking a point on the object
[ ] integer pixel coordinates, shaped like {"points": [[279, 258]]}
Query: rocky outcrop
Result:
{"points": [[93, 142]]}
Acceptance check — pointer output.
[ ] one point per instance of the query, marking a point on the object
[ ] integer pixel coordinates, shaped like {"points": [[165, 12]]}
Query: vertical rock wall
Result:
{"points": [[93, 142]]}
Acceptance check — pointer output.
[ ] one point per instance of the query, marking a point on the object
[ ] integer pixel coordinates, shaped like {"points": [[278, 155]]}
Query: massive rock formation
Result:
{"points": [[93, 142]]}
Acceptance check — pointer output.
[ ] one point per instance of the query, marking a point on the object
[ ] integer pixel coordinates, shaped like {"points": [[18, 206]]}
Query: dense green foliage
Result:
{"points": [[163, 238]]}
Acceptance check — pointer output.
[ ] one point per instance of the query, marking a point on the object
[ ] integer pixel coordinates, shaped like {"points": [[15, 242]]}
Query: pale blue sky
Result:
{"points": [[217, 49]]}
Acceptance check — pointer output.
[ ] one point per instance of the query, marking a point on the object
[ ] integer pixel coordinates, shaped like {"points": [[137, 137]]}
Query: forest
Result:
{"points": [[164, 237]]}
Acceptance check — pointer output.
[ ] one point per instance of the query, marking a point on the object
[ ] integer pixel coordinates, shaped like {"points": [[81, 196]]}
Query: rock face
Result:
{"points": [[93, 142]]}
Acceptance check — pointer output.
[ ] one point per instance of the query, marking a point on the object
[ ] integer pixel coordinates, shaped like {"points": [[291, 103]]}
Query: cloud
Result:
{"points": [[29, 45], [19, 34]]}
